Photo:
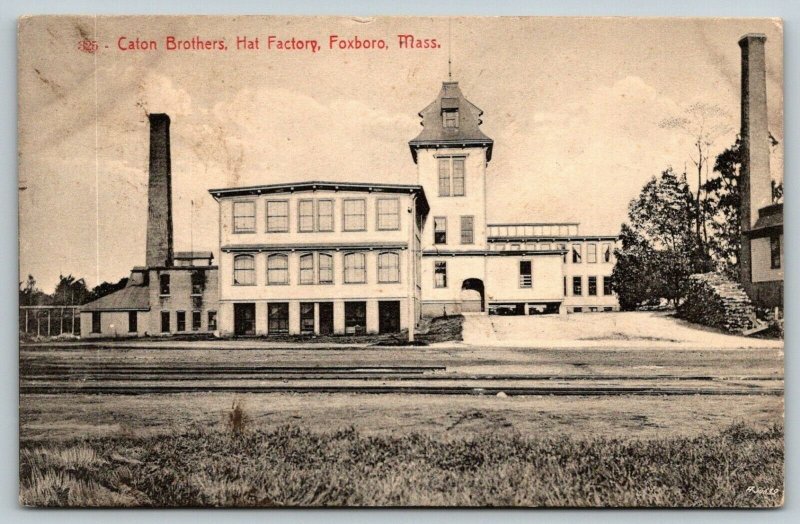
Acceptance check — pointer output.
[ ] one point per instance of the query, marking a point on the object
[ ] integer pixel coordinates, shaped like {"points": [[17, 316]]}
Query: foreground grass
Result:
{"points": [[294, 467]]}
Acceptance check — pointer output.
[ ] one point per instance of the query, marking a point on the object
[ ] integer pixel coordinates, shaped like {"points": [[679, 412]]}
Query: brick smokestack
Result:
{"points": [[159, 194], [755, 181]]}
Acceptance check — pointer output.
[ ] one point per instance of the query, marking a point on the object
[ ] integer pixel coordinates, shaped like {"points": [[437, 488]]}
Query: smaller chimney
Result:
{"points": [[159, 194], [755, 182]]}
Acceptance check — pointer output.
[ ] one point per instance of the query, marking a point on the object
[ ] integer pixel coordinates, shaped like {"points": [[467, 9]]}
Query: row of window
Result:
{"points": [[316, 268], [355, 318], [316, 215], [591, 253], [591, 287], [467, 230], [180, 321], [180, 317], [198, 283]]}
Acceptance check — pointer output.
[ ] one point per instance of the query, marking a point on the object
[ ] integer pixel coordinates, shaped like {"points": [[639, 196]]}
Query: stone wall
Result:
{"points": [[715, 301]]}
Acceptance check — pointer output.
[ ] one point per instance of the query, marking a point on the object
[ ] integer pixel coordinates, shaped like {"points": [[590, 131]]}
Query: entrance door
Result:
{"points": [[244, 319], [389, 316], [325, 318]]}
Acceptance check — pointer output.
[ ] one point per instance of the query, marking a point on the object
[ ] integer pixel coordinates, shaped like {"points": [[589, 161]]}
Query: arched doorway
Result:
{"points": [[472, 296]]}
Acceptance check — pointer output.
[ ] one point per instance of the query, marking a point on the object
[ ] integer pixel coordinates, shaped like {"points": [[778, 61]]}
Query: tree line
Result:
{"points": [[69, 291]]}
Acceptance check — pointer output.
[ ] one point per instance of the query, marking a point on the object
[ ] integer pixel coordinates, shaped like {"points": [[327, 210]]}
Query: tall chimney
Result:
{"points": [[755, 184], [159, 194]]}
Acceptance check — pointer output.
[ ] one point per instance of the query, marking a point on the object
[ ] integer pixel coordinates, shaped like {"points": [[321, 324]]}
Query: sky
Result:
{"points": [[573, 105]]}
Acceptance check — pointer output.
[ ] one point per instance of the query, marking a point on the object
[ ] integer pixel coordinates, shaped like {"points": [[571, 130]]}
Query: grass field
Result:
{"points": [[290, 466]]}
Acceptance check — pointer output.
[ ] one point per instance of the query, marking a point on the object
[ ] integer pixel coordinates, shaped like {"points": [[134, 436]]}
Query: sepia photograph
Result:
{"points": [[453, 261]]}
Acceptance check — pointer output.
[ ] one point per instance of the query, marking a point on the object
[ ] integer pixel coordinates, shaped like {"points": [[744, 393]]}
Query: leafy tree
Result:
{"points": [[106, 288], [29, 294], [659, 245], [70, 291]]}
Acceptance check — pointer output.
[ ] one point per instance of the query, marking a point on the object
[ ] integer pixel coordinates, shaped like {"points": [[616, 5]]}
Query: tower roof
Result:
{"points": [[466, 132]]}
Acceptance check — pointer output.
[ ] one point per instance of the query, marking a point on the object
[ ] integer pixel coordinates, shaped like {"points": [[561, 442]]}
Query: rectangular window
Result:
{"points": [[775, 252], [278, 317], [163, 281], [212, 320], [525, 274], [388, 213], [244, 217], [355, 270], [607, 286], [576, 253], [325, 215], [198, 282], [133, 322], [325, 268], [439, 230], [307, 268], [565, 286], [444, 177], [592, 286], [388, 267], [96, 323], [606, 252], [244, 270], [165, 321], [306, 317], [277, 270], [577, 286], [355, 215], [467, 230], [440, 274], [450, 119], [591, 253], [181, 320], [277, 216], [355, 317], [458, 177], [196, 320], [305, 216]]}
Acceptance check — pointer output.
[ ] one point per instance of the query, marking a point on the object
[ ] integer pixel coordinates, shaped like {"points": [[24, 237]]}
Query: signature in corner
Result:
{"points": [[755, 490]]}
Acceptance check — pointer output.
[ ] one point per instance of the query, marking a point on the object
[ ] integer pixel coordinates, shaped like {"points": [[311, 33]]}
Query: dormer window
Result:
{"points": [[450, 119]]}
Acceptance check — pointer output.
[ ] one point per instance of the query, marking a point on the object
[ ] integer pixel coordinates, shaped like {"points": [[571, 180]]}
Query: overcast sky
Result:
{"points": [[573, 106]]}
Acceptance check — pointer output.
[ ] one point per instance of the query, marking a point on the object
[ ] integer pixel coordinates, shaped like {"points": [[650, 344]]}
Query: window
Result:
{"points": [[607, 286], [96, 323], [525, 274], [325, 268], [606, 252], [451, 176], [576, 253], [278, 317], [458, 177], [577, 286], [163, 284], [212, 320], [181, 320], [198, 282], [440, 230], [277, 270], [325, 215], [592, 286], [133, 322], [450, 119], [355, 268], [355, 317], [196, 320], [444, 177], [244, 270], [165, 321], [467, 230], [306, 317], [591, 253], [388, 267], [355, 215], [388, 213], [775, 252], [277, 216], [565, 286], [440, 273], [307, 269], [305, 216], [244, 217], [577, 310]]}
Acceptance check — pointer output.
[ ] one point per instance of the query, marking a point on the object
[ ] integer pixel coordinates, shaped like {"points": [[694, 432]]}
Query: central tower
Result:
{"points": [[451, 153]]}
